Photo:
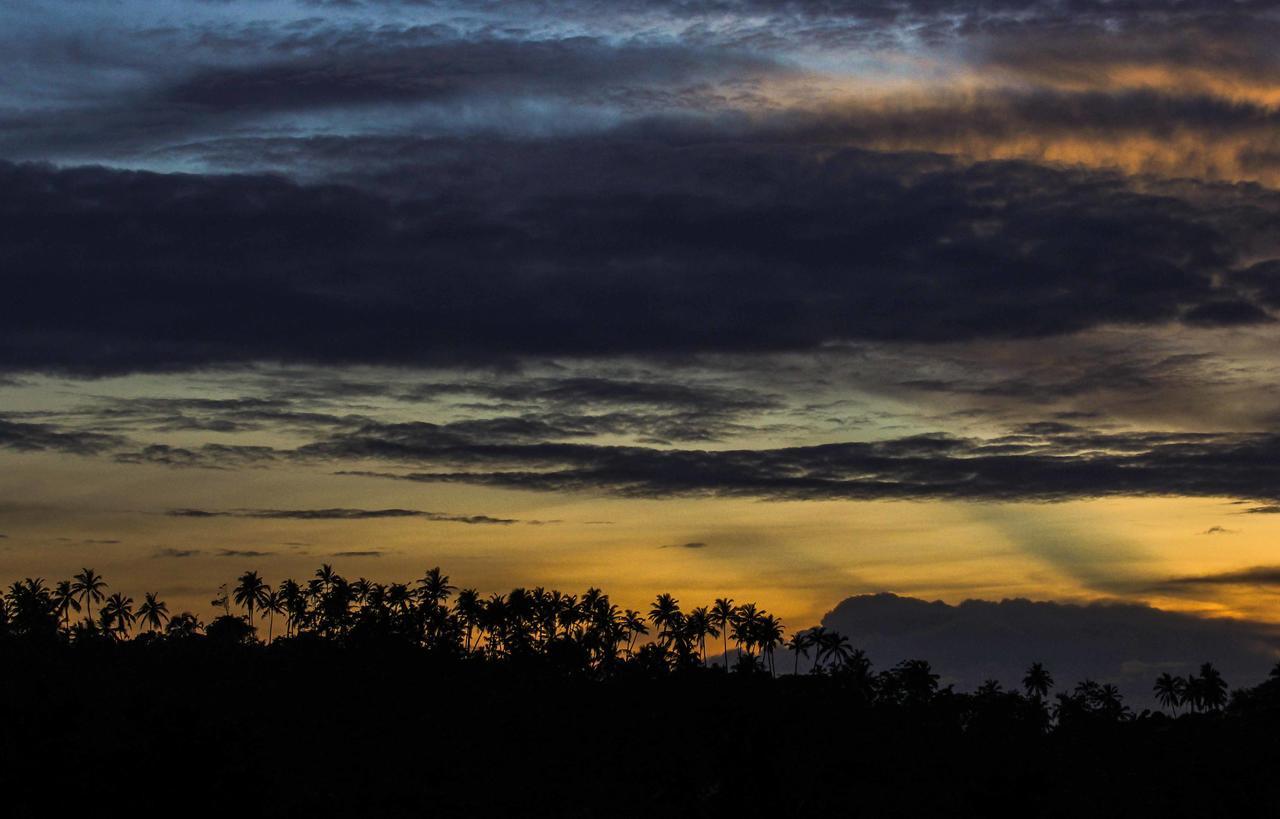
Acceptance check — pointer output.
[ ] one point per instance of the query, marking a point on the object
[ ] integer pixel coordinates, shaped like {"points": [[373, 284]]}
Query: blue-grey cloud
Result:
{"points": [[1122, 643]]}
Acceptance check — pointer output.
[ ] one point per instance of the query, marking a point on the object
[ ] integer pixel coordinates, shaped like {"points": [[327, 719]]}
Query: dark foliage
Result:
{"points": [[409, 700]]}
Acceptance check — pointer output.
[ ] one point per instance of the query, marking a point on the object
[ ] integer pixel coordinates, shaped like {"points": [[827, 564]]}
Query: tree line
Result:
{"points": [[584, 633]]}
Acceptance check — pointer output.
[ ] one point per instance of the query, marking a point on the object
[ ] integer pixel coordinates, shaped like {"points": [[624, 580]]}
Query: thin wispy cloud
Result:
{"points": [[339, 514]]}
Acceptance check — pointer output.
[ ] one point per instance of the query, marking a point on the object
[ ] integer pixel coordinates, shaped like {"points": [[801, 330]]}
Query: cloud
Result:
{"points": [[1273, 509], [1219, 530], [1039, 464], [207, 456], [24, 437], [364, 553], [694, 545], [659, 246], [177, 553], [1255, 576], [1122, 643], [242, 553], [338, 514]]}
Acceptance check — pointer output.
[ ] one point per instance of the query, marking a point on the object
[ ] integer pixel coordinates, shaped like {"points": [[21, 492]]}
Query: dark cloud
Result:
{"points": [[1255, 576], [1227, 313], [1263, 510], [364, 553], [177, 553], [393, 67], [1083, 370], [103, 542], [654, 246], [207, 456], [24, 437], [1263, 280], [1060, 463], [694, 545], [1219, 530], [339, 514], [592, 391], [242, 553], [1125, 644]]}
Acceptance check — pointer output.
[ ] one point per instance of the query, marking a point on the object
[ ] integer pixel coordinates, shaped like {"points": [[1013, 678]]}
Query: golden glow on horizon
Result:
{"points": [[796, 558]]}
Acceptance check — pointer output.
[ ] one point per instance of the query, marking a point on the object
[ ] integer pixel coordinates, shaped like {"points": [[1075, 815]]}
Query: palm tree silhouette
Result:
{"points": [[88, 586], [633, 623], [1037, 681], [1212, 688], [723, 614], [746, 628], [1169, 691], [699, 627], [117, 614], [819, 637], [798, 646], [294, 603], [64, 601], [326, 577], [434, 587], [273, 603], [664, 614], [153, 612], [250, 592], [768, 636], [467, 606]]}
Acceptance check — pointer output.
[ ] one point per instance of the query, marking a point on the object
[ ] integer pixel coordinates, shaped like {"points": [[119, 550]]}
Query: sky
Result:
{"points": [[789, 301]]}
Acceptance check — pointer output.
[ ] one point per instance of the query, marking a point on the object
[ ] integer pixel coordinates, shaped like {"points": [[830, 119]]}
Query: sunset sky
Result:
{"points": [[784, 301]]}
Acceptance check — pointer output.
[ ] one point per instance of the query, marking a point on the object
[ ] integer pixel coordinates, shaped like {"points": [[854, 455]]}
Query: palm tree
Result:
{"points": [[722, 615], [326, 575], [33, 608], [117, 613], [1037, 681], [768, 636], [273, 603], [1111, 703], [1169, 691], [698, 626], [294, 603], [434, 587], [818, 638], [64, 600], [746, 627], [664, 614], [360, 590], [88, 586], [799, 645], [836, 646], [467, 606], [250, 592], [153, 612], [1213, 689], [633, 623]]}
